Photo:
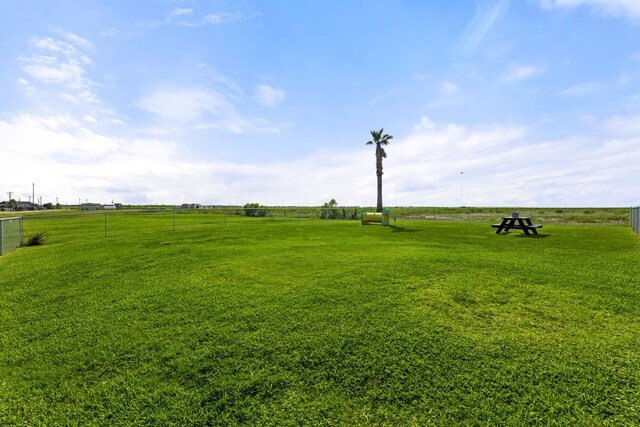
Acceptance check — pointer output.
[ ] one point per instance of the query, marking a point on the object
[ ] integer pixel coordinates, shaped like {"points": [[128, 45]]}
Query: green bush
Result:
{"points": [[329, 210], [35, 239], [254, 209]]}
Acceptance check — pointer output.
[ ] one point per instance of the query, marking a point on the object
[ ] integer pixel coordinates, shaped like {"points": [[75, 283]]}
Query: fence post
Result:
{"points": [[224, 209], [105, 225], [1, 238], [174, 218], [21, 238]]}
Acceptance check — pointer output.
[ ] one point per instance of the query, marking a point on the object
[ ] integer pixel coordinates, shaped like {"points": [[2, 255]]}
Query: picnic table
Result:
{"points": [[518, 223]]}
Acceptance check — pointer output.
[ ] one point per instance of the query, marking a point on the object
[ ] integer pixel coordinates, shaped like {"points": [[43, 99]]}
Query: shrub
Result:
{"points": [[329, 210], [254, 209], [35, 239]]}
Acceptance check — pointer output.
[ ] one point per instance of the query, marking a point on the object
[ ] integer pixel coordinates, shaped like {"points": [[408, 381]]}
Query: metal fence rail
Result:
{"points": [[10, 234], [635, 219]]}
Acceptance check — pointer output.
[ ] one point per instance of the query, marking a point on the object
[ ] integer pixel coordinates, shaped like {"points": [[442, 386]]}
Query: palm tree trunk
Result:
{"points": [[379, 205], [379, 175]]}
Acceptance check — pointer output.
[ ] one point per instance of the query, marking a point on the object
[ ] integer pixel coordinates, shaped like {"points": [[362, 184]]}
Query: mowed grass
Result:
{"points": [[319, 323]]}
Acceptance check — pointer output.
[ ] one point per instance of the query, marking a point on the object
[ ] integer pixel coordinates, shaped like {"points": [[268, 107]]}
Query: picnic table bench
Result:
{"points": [[518, 223]]}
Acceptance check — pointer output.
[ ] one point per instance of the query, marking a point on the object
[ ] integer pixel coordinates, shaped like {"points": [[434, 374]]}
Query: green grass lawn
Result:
{"points": [[318, 323]]}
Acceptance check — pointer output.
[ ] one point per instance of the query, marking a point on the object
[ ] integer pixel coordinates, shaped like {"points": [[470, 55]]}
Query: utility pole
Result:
{"points": [[9, 193], [461, 202], [33, 190]]}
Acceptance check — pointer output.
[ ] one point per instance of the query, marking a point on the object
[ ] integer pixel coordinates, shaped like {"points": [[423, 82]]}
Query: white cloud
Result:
{"points": [[180, 12], [201, 108], [580, 89], [186, 18], [623, 125], [212, 19], [487, 14], [425, 124], [221, 18], [517, 73], [184, 104], [75, 39], [59, 62], [628, 8], [90, 119], [49, 70], [26, 86], [502, 166], [268, 95], [450, 88]]}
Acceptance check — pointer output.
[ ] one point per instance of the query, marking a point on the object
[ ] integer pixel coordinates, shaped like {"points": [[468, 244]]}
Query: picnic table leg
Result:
{"points": [[508, 223], [522, 225], [533, 229]]}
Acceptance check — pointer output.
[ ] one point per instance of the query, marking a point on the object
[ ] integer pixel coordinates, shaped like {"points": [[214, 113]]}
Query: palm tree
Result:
{"points": [[379, 139]]}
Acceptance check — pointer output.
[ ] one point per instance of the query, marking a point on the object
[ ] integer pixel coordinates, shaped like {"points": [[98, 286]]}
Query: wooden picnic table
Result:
{"points": [[518, 223]]}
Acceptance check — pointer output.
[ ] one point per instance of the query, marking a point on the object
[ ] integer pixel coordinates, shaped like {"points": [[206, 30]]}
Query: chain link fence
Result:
{"points": [[635, 219], [114, 222], [10, 234]]}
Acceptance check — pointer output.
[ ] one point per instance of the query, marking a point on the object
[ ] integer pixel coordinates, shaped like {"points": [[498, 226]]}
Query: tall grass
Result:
{"points": [[319, 322]]}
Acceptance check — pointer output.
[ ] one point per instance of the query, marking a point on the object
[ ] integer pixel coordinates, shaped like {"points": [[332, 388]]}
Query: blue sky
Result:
{"points": [[537, 102]]}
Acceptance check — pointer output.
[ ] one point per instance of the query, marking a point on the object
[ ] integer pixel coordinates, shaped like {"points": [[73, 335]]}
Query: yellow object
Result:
{"points": [[383, 217]]}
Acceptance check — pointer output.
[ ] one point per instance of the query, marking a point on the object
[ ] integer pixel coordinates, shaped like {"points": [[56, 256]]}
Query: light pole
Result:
{"points": [[461, 202]]}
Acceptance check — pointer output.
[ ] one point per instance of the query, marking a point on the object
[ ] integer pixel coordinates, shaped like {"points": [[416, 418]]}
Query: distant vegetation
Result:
{"points": [[469, 214], [254, 209]]}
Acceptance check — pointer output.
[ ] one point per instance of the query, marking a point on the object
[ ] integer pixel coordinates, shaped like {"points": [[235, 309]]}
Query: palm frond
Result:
{"points": [[379, 137]]}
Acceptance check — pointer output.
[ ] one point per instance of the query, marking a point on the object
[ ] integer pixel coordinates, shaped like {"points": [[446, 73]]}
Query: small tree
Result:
{"points": [[254, 209], [329, 210]]}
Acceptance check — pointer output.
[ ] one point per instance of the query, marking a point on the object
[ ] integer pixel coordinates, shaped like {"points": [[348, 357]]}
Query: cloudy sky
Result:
{"points": [[490, 102]]}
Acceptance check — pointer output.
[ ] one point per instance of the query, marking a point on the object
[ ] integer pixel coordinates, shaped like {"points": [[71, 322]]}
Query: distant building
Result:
{"points": [[192, 206], [89, 207], [26, 206], [109, 207]]}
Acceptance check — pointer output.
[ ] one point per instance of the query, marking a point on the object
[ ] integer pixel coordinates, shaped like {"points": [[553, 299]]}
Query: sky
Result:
{"points": [[490, 102]]}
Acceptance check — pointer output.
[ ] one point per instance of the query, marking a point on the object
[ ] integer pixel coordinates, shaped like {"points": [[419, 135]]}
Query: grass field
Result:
{"points": [[319, 323]]}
